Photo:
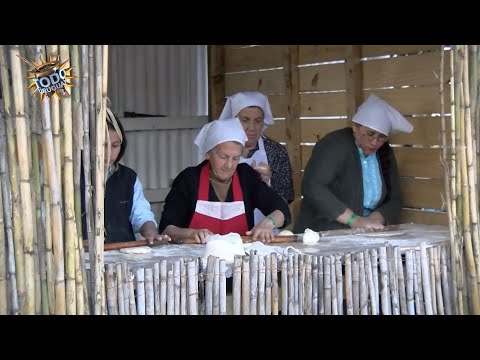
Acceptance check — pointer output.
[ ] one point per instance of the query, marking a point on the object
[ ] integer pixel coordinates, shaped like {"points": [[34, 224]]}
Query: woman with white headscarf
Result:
{"points": [[268, 157], [218, 196], [351, 179]]}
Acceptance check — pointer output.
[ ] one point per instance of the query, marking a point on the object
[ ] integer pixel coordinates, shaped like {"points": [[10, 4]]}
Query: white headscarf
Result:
{"points": [[220, 131], [378, 115], [241, 100]]}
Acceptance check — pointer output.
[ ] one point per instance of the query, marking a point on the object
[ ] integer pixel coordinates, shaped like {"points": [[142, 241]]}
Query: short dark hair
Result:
{"points": [[123, 145]]}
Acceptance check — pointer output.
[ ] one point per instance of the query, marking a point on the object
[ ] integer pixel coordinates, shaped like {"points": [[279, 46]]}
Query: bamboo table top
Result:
{"points": [[407, 236]]}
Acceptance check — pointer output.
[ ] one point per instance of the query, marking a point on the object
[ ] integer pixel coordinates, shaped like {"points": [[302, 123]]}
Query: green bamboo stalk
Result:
{"points": [[77, 147], [3, 257], [25, 186], [7, 212], [68, 195]]}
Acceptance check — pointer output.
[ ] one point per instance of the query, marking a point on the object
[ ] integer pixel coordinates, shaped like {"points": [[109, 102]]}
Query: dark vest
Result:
{"points": [[118, 205]]}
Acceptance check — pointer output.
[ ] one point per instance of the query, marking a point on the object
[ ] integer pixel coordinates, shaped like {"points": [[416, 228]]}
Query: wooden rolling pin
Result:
{"points": [[246, 239], [123, 245]]}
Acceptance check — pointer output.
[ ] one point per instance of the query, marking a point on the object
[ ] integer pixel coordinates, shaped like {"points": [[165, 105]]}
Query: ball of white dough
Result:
{"points": [[285, 233], [310, 237]]}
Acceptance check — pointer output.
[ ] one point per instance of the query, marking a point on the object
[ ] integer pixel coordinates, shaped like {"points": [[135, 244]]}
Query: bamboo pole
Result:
{"points": [[355, 286], [268, 284], [140, 290], [131, 292], [209, 285], [253, 283], [426, 279], [401, 281], [301, 285], [216, 287], [363, 284], [418, 285], [321, 291], [432, 279], [384, 286], [6, 218], [371, 286], [291, 286], [333, 281], [192, 288], [110, 291], [149, 294], [308, 285], [176, 285], [348, 284], [296, 300], [3, 259], [170, 293], [223, 287], [156, 287], [409, 271], [126, 288], [338, 271], [236, 285], [274, 272], [445, 280], [183, 288], [201, 286], [327, 285], [393, 282], [14, 185], [285, 276], [314, 285], [374, 264], [119, 281], [438, 285], [91, 108], [261, 286], [163, 287]]}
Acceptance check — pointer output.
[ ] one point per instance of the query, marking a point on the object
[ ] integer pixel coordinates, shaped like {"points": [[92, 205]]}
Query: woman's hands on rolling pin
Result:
{"points": [[263, 231], [200, 235]]}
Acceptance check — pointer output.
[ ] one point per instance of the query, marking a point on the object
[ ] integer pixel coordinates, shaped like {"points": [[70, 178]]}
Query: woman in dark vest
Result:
{"points": [[126, 210], [351, 179]]}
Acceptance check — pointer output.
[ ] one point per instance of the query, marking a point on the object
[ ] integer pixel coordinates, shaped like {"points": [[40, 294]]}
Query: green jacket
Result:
{"points": [[333, 181]]}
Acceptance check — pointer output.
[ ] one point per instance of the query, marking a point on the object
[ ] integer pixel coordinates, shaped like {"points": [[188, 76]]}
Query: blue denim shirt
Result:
{"points": [[372, 182]]}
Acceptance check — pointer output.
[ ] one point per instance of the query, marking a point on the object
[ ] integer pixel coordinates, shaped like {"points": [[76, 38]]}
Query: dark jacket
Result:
{"points": [[333, 181]]}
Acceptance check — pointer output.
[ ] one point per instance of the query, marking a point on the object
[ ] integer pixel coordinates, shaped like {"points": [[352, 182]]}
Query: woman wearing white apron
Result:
{"points": [[268, 157]]}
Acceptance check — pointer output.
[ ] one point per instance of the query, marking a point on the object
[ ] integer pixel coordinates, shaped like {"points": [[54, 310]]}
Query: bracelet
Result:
{"points": [[271, 219], [351, 219]]}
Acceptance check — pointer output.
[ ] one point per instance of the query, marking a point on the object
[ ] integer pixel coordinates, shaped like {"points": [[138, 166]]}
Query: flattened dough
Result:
{"points": [[137, 250]]}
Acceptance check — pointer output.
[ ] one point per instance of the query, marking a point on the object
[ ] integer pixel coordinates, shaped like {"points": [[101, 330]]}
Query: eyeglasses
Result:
{"points": [[371, 135]]}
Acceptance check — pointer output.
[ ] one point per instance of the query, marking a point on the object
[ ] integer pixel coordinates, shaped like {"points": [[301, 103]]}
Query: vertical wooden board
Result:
{"points": [[267, 82], [278, 104], [216, 80], [423, 193], [309, 54], [380, 50], [327, 77], [253, 58], [414, 70], [423, 217]]}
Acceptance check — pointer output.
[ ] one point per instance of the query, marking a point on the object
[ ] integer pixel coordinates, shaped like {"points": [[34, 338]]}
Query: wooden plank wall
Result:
{"points": [[332, 81]]}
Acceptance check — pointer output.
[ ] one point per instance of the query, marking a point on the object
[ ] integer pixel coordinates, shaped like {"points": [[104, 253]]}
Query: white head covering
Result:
{"points": [[241, 100], [378, 115], [220, 131]]}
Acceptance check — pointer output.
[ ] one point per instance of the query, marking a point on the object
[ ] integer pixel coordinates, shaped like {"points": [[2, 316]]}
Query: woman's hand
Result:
{"points": [[200, 235], [367, 222], [263, 231], [264, 170], [149, 232]]}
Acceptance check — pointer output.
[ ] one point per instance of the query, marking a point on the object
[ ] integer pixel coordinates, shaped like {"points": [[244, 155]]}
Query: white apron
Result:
{"points": [[259, 156]]}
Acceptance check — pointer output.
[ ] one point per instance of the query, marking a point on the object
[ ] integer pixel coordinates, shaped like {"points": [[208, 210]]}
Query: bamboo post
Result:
{"points": [[268, 284], [308, 285], [216, 287], [163, 287], [321, 291], [409, 271], [6, 213], [176, 284], [285, 279], [363, 284], [149, 293], [156, 288], [338, 271], [333, 280], [110, 291], [401, 281], [348, 284], [209, 285], [261, 286], [374, 264], [291, 286], [120, 298], [356, 285], [126, 290], [314, 285], [384, 286], [438, 285], [14, 186], [183, 287], [170, 293], [246, 285], [253, 283], [25, 185], [431, 266], [91, 112], [393, 282], [55, 211], [192, 288], [140, 293], [201, 286], [274, 273], [445, 280], [3, 257], [327, 283], [296, 300], [301, 285], [418, 285], [236, 285], [371, 286], [223, 287], [131, 292], [426, 279]]}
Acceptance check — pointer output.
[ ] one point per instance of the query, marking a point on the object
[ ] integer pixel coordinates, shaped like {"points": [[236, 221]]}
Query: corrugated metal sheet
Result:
{"points": [[158, 79]]}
